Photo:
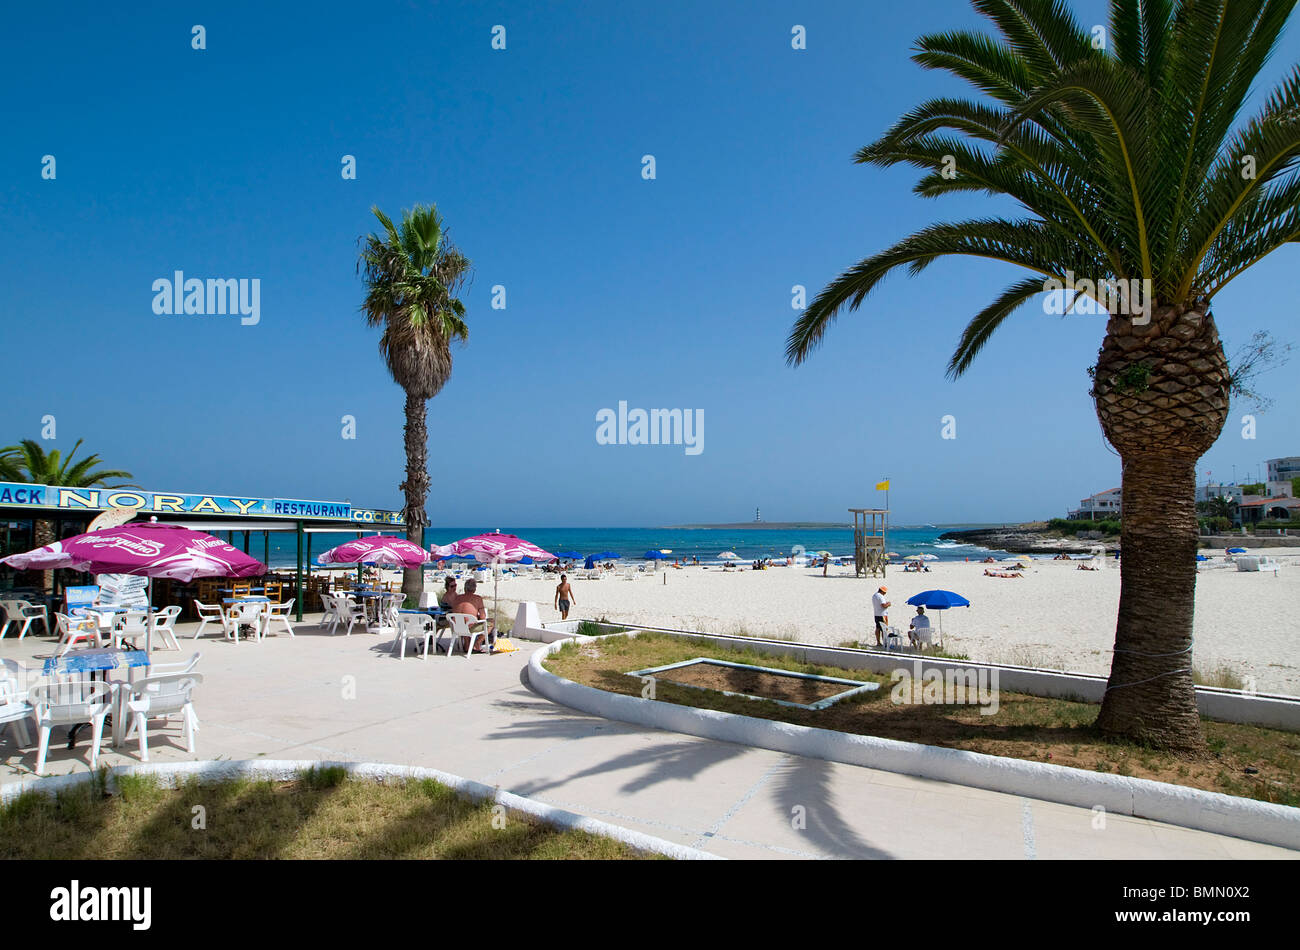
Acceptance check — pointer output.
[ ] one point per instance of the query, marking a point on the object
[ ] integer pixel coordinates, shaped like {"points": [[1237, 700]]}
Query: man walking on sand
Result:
{"points": [[564, 597], [880, 607]]}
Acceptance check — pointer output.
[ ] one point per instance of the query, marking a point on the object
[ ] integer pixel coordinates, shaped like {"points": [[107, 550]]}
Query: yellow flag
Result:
{"points": [[882, 486]]}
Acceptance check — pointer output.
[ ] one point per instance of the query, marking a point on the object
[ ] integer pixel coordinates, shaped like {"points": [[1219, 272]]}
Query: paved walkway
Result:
{"points": [[347, 698]]}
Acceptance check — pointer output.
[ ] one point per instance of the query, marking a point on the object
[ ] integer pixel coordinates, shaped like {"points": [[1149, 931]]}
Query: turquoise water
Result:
{"points": [[631, 543]]}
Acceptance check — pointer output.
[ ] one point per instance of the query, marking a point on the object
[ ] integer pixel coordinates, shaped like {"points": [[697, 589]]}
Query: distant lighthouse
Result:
{"points": [[758, 516]]}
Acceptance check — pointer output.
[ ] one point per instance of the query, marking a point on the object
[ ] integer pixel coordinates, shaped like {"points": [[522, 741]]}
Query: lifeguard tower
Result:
{"points": [[870, 528]]}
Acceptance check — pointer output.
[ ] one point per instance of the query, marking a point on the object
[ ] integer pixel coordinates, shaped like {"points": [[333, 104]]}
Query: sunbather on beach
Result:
{"points": [[564, 597]]}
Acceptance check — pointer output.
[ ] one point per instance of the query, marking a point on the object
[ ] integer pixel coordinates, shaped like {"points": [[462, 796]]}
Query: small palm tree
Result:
{"points": [[412, 275], [29, 462], [1129, 161]]}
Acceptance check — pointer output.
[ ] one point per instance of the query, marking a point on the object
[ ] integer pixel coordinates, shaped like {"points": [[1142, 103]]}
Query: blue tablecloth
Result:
{"points": [[91, 661], [245, 600]]}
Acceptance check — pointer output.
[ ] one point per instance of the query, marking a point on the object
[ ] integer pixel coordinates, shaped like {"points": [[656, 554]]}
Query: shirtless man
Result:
{"points": [[472, 604], [564, 597]]}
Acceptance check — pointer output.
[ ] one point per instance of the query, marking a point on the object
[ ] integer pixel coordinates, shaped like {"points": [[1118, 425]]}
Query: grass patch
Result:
{"points": [[323, 815], [1222, 676], [1033, 728], [598, 628]]}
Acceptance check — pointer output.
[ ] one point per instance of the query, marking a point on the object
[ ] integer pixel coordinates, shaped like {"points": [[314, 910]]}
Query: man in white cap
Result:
{"points": [[880, 607]]}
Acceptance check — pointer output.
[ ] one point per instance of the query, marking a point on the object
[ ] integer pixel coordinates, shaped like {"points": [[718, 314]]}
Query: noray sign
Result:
{"points": [[17, 494]]}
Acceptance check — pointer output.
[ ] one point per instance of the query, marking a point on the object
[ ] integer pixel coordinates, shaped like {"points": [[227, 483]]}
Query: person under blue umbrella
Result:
{"points": [[935, 600]]}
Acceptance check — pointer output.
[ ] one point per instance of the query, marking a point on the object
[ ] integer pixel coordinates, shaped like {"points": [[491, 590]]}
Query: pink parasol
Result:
{"points": [[150, 549], [494, 549], [393, 552]]}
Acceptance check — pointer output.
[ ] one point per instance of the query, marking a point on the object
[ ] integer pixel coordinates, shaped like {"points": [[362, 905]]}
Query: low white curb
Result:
{"points": [[1141, 798], [284, 770]]}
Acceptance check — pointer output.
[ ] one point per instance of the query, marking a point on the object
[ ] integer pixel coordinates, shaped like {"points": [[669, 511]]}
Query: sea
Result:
{"points": [[704, 543]]}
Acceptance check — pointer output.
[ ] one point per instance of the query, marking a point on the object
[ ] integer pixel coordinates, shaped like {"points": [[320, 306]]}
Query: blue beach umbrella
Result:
{"points": [[938, 600], [1201, 557], [1236, 550], [607, 556], [569, 555]]}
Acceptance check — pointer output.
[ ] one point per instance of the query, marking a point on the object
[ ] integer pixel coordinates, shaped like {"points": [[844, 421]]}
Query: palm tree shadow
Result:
{"points": [[805, 784], [681, 759]]}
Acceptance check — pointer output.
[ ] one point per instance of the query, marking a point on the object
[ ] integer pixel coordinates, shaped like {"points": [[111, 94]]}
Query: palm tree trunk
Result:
{"points": [[1150, 696], [416, 485], [1162, 390], [43, 534]]}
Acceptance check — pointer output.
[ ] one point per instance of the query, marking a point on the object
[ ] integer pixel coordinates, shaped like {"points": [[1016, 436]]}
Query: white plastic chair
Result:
{"points": [[893, 639], [245, 615], [179, 666], [209, 613], [922, 634], [134, 627], [15, 710], [329, 612], [68, 703], [158, 697], [21, 610], [460, 627], [414, 627], [163, 623], [278, 612], [72, 630], [353, 613]]}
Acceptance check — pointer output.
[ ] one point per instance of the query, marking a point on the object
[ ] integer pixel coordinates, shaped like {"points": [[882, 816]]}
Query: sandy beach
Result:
{"points": [[1056, 616]]}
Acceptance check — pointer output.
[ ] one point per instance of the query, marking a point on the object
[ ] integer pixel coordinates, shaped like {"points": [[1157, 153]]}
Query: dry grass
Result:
{"points": [[324, 815], [1025, 727]]}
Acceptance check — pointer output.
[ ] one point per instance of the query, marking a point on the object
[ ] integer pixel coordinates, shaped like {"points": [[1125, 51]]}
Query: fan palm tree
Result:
{"points": [[1130, 163], [412, 275], [29, 462]]}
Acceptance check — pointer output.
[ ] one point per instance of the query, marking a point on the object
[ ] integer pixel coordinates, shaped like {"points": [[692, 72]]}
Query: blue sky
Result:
{"points": [[669, 293]]}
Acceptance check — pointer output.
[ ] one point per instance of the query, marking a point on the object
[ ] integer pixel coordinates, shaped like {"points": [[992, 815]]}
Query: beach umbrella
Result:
{"points": [[1236, 550], [607, 556], [497, 549], [149, 549], [938, 600], [728, 556], [378, 550], [922, 557], [569, 555], [653, 556]]}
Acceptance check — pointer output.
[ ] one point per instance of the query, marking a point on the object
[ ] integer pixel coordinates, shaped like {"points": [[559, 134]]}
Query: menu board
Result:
{"points": [[123, 590]]}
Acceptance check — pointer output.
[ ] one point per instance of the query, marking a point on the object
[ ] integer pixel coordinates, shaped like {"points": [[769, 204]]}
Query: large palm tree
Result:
{"points": [[29, 462], [412, 275], [1129, 162]]}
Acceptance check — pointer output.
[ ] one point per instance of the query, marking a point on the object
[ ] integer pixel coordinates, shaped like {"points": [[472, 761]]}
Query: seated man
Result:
{"points": [[919, 632], [471, 603]]}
